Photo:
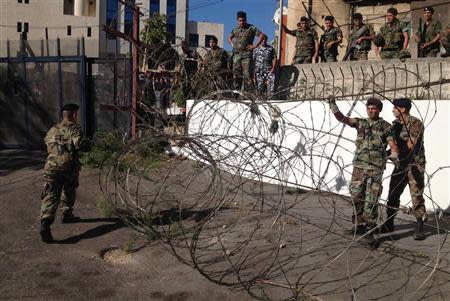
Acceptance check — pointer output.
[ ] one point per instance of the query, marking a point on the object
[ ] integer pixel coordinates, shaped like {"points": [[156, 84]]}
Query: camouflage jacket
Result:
{"points": [[445, 40], [330, 35], [189, 61], [305, 44], [429, 32], [216, 60], [371, 143], [63, 141], [393, 35], [244, 37], [355, 34], [412, 129], [263, 57]]}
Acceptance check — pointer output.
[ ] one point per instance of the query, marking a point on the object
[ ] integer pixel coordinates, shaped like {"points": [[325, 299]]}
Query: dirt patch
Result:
{"points": [[115, 255]]}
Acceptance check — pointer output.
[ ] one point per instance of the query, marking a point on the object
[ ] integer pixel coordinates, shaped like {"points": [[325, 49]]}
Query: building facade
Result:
{"points": [[70, 20], [198, 34]]}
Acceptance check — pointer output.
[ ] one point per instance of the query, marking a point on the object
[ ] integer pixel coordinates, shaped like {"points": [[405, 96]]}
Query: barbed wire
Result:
{"points": [[254, 196]]}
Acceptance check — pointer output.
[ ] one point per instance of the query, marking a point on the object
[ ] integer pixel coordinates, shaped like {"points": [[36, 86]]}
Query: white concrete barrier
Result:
{"points": [[314, 150]]}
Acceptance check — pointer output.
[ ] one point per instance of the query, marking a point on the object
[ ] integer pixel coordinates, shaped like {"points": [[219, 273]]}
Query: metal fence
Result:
{"points": [[33, 90]]}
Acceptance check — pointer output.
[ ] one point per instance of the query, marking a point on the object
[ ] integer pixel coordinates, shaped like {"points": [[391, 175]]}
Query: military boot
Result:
{"points": [[388, 226], [46, 234], [68, 217], [419, 234]]}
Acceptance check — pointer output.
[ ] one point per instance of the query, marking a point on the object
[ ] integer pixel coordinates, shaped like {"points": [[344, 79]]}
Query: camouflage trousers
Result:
{"points": [[414, 176], [329, 58], [242, 72], [365, 189], [359, 55], [303, 59], [56, 183], [389, 54], [431, 53], [263, 77]]}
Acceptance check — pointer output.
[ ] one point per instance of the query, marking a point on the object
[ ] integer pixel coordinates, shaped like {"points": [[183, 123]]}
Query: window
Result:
{"points": [[19, 26], [171, 19], [69, 7], [25, 27], [111, 15], [69, 30], [26, 1], [154, 6], [89, 32], [128, 24], [19, 1], [207, 38], [193, 39]]}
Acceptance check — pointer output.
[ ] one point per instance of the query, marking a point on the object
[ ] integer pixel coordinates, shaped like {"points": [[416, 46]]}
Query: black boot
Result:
{"points": [[388, 226], [357, 229], [46, 234], [419, 233], [68, 218]]}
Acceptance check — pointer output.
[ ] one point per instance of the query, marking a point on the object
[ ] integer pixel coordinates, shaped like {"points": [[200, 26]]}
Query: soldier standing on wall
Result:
{"points": [[359, 40], [216, 62], [265, 65], [64, 140], [243, 36], [329, 41], [373, 136], [428, 35], [307, 44], [395, 36]]}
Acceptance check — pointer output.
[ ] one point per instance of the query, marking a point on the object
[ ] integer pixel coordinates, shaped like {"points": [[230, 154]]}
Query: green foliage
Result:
{"points": [[105, 208], [179, 97], [155, 30], [105, 151]]}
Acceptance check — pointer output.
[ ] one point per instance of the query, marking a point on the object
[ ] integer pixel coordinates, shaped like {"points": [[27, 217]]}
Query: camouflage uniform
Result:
{"points": [[242, 58], [305, 45], [263, 57], [393, 37], [61, 169], [445, 40], [429, 32], [369, 163], [216, 62], [189, 62], [362, 50], [411, 170], [330, 35]]}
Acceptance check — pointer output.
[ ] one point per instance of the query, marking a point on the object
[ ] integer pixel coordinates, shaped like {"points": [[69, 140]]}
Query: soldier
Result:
{"points": [[329, 41], [369, 162], [307, 45], [265, 64], [395, 34], [359, 39], [189, 64], [409, 136], [429, 35], [243, 46], [61, 170], [216, 62], [445, 41]]}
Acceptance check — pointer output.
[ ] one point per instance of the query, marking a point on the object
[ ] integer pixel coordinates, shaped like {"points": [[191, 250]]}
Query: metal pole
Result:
{"points": [[280, 30], [135, 71]]}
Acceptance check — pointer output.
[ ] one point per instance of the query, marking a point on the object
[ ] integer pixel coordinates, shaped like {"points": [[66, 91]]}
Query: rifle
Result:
{"points": [[321, 50], [353, 46], [420, 52]]}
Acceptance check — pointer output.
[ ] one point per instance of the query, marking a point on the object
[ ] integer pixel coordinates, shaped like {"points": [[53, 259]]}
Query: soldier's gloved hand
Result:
{"points": [[394, 158], [332, 102]]}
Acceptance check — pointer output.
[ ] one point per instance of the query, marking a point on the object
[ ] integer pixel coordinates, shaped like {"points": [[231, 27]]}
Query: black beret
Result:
{"points": [[304, 19], [393, 11], [429, 8], [213, 38], [241, 14], [402, 103], [374, 102], [329, 18], [357, 16], [71, 107]]}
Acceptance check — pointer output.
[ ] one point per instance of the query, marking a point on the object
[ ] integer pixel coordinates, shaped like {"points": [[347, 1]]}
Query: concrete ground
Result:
{"points": [[88, 261]]}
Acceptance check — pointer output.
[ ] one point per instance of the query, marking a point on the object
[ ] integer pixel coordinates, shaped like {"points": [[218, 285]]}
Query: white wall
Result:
{"points": [[310, 124]]}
